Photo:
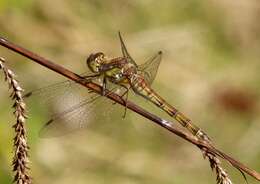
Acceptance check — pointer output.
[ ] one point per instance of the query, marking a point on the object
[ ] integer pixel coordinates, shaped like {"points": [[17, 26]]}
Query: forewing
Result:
{"points": [[59, 92], [150, 67], [71, 107], [125, 52]]}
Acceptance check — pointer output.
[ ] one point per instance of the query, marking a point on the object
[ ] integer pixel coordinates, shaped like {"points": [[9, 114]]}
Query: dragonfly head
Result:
{"points": [[94, 61]]}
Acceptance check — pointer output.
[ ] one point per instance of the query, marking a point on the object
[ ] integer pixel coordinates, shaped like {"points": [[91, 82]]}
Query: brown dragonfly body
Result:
{"points": [[122, 71], [125, 72]]}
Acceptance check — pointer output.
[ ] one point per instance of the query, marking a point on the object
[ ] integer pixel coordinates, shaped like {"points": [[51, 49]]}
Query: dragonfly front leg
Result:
{"points": [[89, 78]]}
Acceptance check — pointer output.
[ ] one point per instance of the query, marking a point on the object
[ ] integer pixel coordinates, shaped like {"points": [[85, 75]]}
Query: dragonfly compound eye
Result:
{"points": [[94, 61]]}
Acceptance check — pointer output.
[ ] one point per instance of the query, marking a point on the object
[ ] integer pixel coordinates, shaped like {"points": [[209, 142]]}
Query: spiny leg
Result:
{"points": [[125, 93], [104, 86], [89, 78], [122, 95]]}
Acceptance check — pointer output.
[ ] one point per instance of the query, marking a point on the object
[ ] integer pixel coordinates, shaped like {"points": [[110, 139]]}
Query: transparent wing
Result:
{"points": [[93, 109], [72, 118], [124, 51], [59, 92], [150, 67], [71, 107]]}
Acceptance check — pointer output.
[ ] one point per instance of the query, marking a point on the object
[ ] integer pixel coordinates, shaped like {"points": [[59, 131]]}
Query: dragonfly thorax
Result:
{"points": [[129, 69], [94, 61]]}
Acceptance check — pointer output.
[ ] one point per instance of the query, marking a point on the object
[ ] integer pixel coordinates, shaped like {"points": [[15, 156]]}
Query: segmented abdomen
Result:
{"points": [[141, 87]]}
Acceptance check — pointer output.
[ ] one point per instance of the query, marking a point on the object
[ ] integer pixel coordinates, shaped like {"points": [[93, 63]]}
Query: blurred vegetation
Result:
{"points": [[210, 71]]}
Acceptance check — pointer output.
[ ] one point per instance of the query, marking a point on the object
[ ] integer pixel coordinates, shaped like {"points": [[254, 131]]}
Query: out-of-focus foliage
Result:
{"points": [[210, 71]]}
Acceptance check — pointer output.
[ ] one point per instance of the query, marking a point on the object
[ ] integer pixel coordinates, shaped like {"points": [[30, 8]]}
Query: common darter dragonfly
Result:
{"points": [[125, 74]]}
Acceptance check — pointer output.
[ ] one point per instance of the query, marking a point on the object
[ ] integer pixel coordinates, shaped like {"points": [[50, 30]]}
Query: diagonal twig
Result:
{"points": [[208, 149]]}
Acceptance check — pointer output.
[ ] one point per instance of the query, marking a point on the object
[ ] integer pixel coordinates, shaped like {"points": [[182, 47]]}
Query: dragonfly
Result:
{"points": [[124, 73]]}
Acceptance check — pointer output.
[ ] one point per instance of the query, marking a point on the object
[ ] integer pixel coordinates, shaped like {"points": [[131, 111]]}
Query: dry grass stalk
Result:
{"points": [[222, 176], [20, 159]]}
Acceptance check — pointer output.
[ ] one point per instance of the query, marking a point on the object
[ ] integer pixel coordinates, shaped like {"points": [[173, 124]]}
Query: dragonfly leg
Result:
{"points": [[91, 76], [122, 95], [125, 104], [125, 93], [104, 86]]}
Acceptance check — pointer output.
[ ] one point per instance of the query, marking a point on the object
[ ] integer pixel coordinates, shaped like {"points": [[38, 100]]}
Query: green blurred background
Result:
{"points": [[210, 71]]}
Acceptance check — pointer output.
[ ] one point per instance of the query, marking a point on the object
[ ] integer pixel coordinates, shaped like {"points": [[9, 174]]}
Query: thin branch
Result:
{"points": [[21, 148], [204, 146]]}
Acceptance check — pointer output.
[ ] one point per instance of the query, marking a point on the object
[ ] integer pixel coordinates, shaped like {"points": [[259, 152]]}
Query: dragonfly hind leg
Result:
{"points": [[122, 95], [104, 88], [125, 93]]}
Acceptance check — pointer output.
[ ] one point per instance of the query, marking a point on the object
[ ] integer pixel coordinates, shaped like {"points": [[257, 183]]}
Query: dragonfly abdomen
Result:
{"points": [[140, 86]]}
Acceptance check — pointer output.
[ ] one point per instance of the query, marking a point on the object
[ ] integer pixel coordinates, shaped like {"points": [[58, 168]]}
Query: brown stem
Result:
{"points": [[130, 105]]}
